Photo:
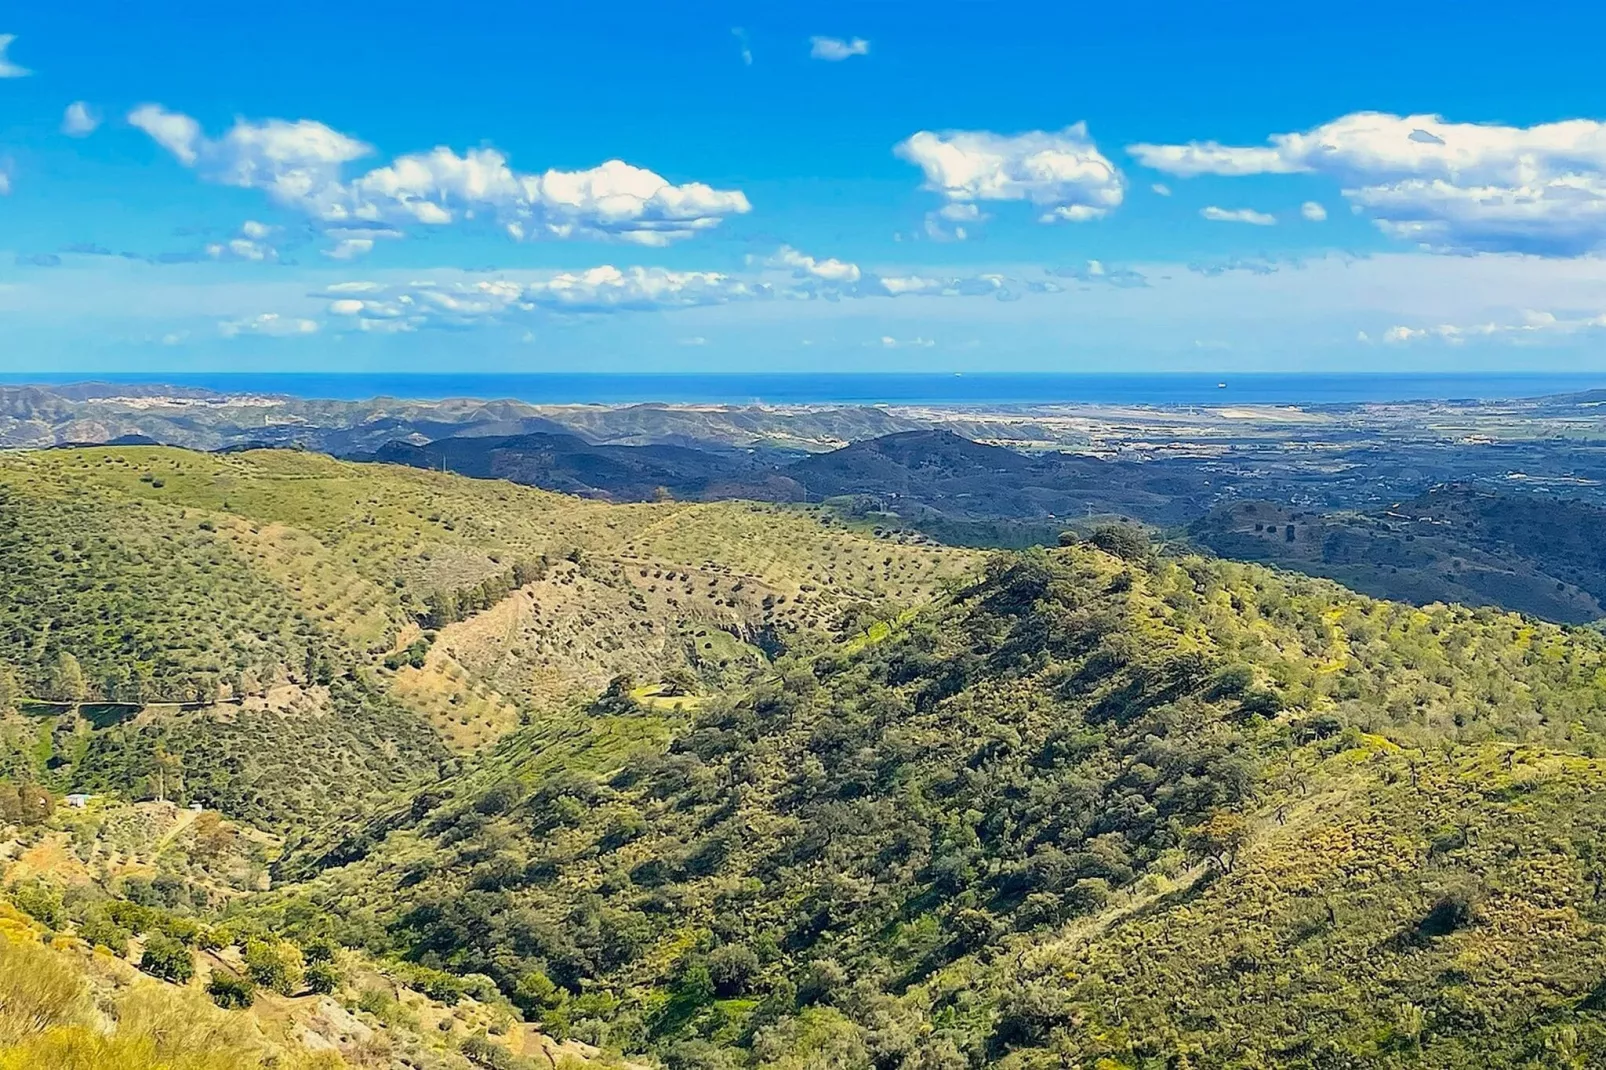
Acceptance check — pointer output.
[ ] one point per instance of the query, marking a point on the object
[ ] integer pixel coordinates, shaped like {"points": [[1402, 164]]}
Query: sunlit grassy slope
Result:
{"points": [[68, 1004]]}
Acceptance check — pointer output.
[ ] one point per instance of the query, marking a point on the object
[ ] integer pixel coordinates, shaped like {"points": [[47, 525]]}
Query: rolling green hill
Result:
{"points": [[733, 785]]}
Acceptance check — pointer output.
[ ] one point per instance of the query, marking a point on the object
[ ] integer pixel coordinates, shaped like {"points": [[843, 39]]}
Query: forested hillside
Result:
{"points": [[1080, 811], [1530, 552], [487, 771]]}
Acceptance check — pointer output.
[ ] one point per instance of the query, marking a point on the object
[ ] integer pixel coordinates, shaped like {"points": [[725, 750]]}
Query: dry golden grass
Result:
{"points": [[48, 1018]]}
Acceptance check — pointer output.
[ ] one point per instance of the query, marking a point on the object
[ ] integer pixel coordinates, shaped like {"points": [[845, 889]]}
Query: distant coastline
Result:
{"points": [[1023, 389]]}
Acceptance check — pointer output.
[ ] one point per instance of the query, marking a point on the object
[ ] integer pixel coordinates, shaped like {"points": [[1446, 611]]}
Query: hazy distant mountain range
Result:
{"points": [[910, 473], [201, 419], [1525, 477]]}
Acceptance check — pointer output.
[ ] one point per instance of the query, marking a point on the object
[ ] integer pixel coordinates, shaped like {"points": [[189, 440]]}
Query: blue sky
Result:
{"points": [[878, 186]]}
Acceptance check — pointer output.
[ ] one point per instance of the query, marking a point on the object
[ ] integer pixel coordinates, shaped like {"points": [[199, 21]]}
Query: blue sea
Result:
{"points": [[870, 389]]}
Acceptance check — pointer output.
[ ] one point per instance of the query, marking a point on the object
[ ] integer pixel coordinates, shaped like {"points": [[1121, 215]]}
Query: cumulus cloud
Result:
{"points": [[9, 69], [268, 325], [1313, 211], [1062, 174], [954, 221], [1209, 158], [79, 120], [837, 49], [301, 165], [416, 305], [250, 244], [350, 249], [1449, 187], [810, 278], [241, 249], [1237, 215], [788, 275], [1529, 325], [831, 270]]}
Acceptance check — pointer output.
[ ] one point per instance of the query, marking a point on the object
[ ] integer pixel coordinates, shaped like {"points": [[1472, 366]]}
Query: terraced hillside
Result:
{"points": [[283, 635]]}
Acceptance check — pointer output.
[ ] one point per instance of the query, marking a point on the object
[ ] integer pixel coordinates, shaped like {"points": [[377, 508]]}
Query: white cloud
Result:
{"points": [[960, 212], [5, 182], [809, 278], [7, 68], [1073, 213], [837, 49], [987, 285], [1061, 173], [1237, 215], [1162, 189], [268, 324], [356, 242], [789, 276], [301, 165], [606, 288], [178, 134], [1313, 211], [830, 270], [1096, 271], [954, 221], [241, 249], [79, 120], [889, 342], [1449, 187], [600, 289], [1209, 158], [747, 49], [350, 249], [1525, 327], [250, 244]]}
